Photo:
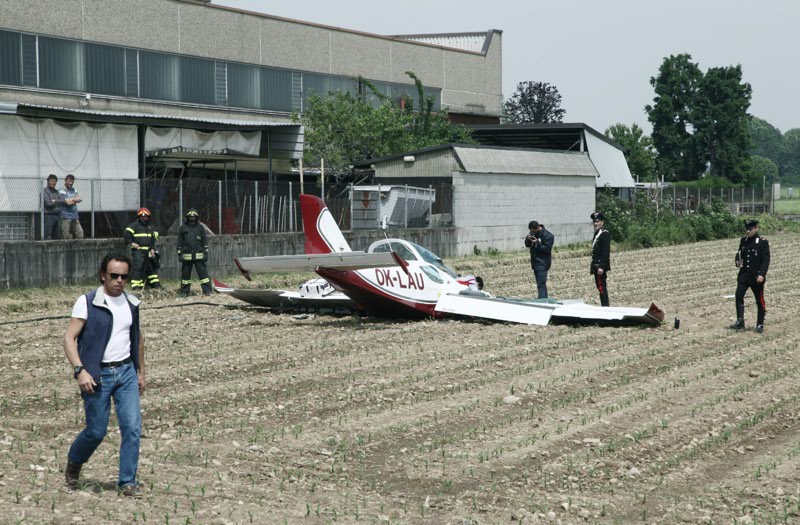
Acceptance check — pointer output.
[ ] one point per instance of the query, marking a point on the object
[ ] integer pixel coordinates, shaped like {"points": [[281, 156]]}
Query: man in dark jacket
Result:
{"points": [[193, 251], [141, 237], [540, 242], [752, 259], [104, 345], [601, 252]]}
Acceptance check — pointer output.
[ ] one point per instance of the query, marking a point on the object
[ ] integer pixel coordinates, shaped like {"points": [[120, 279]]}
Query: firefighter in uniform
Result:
{"points": [[193, 251], [141, 237], [601, 261], [752, 259]]}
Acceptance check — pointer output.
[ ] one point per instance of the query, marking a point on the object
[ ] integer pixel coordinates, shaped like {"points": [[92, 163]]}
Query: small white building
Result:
{"points": [[496, 192]]}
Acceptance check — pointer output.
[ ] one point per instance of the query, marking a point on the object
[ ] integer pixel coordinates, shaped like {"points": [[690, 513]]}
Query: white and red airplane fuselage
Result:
{"points": [[411, 287]]}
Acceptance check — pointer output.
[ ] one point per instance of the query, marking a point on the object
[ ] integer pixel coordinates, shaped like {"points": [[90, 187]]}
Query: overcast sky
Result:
{"points": [[599, 53]]}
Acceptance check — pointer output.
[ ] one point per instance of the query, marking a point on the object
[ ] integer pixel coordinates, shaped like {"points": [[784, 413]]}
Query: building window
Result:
{"points": [[61, 64], [197, 80], [159, 76], [86, 67], [10, 58], [105, 69]]}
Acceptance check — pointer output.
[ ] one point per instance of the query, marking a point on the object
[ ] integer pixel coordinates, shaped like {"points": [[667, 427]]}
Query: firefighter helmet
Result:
{"points": [[143, 212], [191, 213]]}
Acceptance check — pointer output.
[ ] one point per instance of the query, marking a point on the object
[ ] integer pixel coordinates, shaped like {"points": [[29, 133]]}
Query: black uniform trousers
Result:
{"points": [[143, 271], [758, 292], [202, 273], [541, 282], [600, 283]]}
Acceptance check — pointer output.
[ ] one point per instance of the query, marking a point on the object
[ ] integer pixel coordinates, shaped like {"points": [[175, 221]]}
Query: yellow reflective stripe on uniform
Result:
{"points": [[186, 282], [187, 256], [155, 234], [142, 248], [199, 254], [204, 281], [130, 230], [141, 234]]}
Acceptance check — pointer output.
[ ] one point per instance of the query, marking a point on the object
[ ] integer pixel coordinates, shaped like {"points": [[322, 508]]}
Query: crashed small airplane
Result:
{"points": [[398, 278]]}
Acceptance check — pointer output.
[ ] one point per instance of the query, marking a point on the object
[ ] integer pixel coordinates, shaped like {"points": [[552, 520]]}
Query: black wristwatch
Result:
{"points": [[77, 371]]}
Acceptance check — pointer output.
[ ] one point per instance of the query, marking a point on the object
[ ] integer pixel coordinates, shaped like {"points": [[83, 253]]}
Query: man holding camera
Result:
{"points": [[540, 242]]}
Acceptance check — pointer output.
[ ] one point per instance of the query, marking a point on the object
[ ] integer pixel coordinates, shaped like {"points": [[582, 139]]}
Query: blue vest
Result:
{"points": [[96, 332]]}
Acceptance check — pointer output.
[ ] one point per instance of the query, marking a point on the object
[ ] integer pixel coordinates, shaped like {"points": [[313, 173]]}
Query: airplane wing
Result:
{"points": [[542, 313], [286, 298], [496, 309], [308, 263]]}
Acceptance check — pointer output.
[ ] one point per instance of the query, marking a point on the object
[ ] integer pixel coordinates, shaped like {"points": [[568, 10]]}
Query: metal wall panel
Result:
{"points": [[132, 72], [30, 66], [221, 81]]}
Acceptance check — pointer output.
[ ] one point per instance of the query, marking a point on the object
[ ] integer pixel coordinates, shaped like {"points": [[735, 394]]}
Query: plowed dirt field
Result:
{"points": [[255, 417]]}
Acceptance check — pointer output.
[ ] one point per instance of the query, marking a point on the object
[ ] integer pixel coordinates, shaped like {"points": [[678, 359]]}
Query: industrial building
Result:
{"points": [[496, 191], [124, 90]]}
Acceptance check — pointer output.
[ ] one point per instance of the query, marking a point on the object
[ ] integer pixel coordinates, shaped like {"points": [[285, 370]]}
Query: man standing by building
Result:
{"points": [[70, 225], [752, 259], [601, 256], [141, 237], [104, 345], [540, 242], [193, 251], [51, 204]]}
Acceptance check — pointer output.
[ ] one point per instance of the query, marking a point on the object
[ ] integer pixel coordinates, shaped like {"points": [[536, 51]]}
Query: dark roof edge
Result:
{"points": [[368, 162], [557, 125], [32, 111]]}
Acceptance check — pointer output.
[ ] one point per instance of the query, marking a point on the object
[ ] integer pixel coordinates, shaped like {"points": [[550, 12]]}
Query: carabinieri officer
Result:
{"points": [[752, 259]]}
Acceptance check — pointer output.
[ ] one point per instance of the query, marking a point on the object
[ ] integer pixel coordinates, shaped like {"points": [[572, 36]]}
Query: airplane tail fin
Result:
{"points": [[322, 233]]}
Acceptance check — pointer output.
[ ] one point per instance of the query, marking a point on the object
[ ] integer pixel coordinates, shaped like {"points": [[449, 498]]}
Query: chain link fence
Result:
{"points": [[686, 200], [226, 207]]}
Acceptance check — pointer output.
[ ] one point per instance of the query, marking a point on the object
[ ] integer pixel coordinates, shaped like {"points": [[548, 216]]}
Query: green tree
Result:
{"points": [[534, 103], [760, 169], [342, 128], [671, 114], [790, 158], [639, 151], [699, 118], [767, 140], [721, 122]]}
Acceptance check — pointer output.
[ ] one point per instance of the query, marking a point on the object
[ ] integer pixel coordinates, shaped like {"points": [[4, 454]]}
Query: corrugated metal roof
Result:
{"points": [[524, 162], [610, 163], [15, 108], [475, 42]]}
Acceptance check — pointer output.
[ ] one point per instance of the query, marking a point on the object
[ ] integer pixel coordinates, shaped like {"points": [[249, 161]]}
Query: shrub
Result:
{"points": [[641, 223]]}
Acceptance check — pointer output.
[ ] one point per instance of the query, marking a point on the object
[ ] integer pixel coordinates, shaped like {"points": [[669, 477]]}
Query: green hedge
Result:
{"points": [[642, 223]]}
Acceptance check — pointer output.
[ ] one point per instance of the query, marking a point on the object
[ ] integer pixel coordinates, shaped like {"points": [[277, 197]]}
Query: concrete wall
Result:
{"points": [[470, 82], [493, 210], [28, 264]]}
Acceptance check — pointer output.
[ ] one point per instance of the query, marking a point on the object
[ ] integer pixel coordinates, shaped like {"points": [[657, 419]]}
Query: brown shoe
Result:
{"points": [[72, 473], [131, 491]]}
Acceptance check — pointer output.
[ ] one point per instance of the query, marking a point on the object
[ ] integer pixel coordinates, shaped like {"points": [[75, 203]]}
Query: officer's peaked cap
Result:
{"points": [[598, 216], [750, 223]]}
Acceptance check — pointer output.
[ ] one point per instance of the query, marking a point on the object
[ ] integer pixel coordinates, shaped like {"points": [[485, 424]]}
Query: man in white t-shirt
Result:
{"points": [[104, 345]]}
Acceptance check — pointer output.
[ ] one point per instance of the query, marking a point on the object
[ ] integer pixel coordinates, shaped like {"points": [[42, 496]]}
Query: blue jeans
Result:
{"points": [[122, 384], [541, 283]]}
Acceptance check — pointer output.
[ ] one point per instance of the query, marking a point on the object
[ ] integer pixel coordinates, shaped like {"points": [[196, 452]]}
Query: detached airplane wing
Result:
{"points": [[287, 298], [308, 263], [542, 313]]}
